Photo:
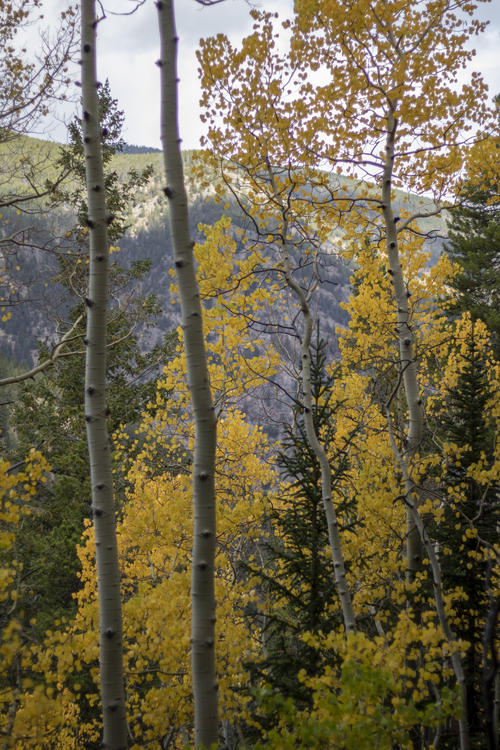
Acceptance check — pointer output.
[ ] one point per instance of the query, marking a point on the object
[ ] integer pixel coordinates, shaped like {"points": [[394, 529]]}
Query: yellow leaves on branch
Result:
{"points": [[236, 297], [154, 537], [456, 350], [154, 532], [394, 652], [344, 72], [372, 332], [16, 489], [482, 159], [376, 696], [16, 492]]}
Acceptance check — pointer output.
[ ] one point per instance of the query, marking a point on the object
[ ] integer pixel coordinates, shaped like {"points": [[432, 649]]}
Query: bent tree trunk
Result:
{"points": [[303, 298], [340, 577], [407, 358], [108, 574], [204, 541]]}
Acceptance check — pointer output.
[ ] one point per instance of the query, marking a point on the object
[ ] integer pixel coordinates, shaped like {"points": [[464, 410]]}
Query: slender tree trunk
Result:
{"points": [[326, 475], [320, 453], [108, 573], [311, 434], [455, 658], [204, 532], [407, 360]]}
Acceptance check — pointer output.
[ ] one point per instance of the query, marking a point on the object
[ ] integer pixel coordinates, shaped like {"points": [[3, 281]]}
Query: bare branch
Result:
{"points": [[55, 354]]}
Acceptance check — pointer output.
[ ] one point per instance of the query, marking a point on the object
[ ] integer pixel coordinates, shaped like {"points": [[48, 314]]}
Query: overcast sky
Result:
{"points": [[128, 48]]}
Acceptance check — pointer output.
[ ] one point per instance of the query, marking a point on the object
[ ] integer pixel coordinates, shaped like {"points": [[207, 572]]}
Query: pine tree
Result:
{"points": [[72, 159], [471, 514], [296, 580], [474, 243]]}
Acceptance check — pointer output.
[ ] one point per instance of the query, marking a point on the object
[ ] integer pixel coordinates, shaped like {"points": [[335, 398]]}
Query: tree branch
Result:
{"points": [[55, 354]]}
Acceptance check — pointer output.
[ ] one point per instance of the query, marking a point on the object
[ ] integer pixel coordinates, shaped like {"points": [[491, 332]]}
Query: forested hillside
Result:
{"points": [[250, 394]]}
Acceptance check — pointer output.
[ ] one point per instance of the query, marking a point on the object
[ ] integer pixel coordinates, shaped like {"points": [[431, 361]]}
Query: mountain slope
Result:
{"points": [[41, 303]]}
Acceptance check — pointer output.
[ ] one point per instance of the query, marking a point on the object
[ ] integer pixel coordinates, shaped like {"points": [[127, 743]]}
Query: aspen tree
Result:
{"points": [[390, 111], [204, 532], [408, 130], [404, 123], [30, 82], [154, 538], [303, 298], [260, 173], [96, 412]]}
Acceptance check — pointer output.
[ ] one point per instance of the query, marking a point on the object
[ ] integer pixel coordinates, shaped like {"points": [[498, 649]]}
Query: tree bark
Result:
{"points": [[108, 573], [320, 453], [312, 436], [456, 660], [407, 360], [204, 532]]}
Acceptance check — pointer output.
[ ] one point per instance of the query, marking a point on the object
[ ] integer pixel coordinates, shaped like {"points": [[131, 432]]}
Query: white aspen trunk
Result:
{"points": [[205, 686], [108, 574], [312, 437], [320, 453], [417, 538], [407, 358]]}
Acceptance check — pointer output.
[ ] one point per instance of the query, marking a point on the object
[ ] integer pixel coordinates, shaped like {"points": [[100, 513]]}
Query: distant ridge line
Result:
{"points": [[130, 148]]}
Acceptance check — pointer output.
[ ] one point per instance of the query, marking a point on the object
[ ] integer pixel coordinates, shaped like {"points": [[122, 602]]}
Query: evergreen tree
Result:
{"points": [[471, 514], [49, 412], [296, 578], [474, 243], [118, 191]]}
